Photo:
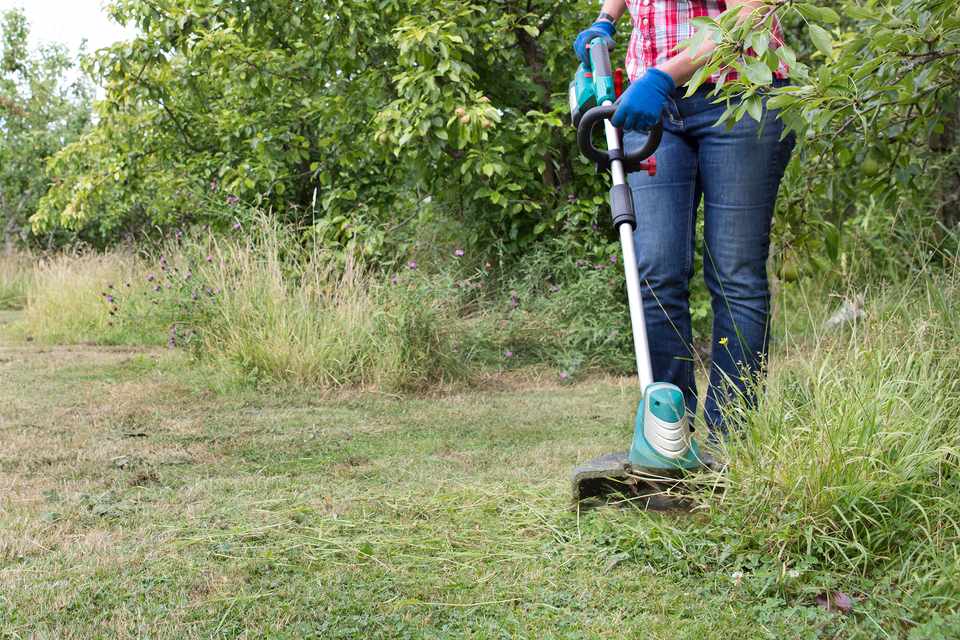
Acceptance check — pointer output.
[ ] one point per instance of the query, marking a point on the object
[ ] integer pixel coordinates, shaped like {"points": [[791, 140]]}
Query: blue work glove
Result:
{"points": [[640, 105], [599, 29]]}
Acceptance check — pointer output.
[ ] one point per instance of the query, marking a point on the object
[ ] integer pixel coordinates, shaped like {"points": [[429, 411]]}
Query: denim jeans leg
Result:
{"points": [[740, 173], [665, 207]]}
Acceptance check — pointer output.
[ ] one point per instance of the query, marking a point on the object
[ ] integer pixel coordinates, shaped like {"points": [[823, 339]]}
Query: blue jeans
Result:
{"points": [[737, 173]]}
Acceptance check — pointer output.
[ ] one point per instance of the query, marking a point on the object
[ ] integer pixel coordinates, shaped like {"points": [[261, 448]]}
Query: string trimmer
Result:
{"points": [[663, 447]]}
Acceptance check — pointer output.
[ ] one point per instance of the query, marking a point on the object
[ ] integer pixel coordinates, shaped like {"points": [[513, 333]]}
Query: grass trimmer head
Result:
{"points": [[663, 449]]}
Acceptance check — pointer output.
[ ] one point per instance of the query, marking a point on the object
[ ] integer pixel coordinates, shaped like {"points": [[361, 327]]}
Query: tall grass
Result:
{"points": [[71, 300], [853, 455], [258, 304], [847, 472], [16, 277], [286, 317]]}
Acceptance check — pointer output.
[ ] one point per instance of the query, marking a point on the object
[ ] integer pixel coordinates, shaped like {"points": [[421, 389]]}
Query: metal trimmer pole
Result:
{"points": [[641, 347]]}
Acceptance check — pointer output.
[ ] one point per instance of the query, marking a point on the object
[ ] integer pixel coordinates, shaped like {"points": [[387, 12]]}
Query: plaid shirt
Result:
{"points": [[659, 25]]}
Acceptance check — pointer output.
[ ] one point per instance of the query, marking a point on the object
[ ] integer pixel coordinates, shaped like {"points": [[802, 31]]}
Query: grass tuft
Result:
{"points": [[16, 279], [283, 318], [846, 475], [852, 457]]}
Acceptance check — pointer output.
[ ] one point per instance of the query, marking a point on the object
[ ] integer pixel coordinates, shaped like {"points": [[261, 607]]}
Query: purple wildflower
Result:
{"points": [[836, 601], [110, 299], [564, 375], [458, 253], [412, 265], [151, 278], [613, 259], [232, 200], [157, 288], [508, 354], [514, 300], [581, 263], [187, 275], [395, 279], [236, 226], [209, 258]]}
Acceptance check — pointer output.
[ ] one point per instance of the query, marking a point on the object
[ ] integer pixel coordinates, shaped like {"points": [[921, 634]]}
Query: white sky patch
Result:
{"points": [[69, 22]]}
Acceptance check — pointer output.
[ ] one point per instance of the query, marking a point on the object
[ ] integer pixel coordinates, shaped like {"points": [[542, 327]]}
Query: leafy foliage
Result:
{"points": [[354, 117], [39, 112]]}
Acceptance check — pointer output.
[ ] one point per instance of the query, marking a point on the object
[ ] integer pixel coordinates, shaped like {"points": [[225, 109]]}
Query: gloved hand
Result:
{"points": [[640, 105], [599, 29]]}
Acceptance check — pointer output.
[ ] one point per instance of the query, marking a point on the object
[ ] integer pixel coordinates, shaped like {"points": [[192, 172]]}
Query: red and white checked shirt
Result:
{"points": [[659, 25]]}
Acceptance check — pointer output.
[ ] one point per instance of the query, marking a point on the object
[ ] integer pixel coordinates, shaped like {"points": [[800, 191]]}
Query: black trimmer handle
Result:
{"points": [[631, 162]]}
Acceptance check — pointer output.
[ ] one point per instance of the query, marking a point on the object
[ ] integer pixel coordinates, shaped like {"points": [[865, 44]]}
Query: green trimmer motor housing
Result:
{"points": [[663, 449]]}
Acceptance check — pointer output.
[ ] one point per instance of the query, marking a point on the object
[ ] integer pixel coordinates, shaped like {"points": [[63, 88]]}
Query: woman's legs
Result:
{"points": [[738, 173]]}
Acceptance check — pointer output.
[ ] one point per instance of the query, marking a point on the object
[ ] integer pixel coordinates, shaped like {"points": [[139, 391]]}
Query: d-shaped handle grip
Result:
{"points": [[631, 161]]}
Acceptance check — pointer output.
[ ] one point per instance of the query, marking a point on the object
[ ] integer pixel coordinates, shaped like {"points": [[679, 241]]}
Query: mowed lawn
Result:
{"points": [[139, 499]]}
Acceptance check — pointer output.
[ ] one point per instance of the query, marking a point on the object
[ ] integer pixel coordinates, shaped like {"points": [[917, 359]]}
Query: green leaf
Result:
{"points": [[822, 40], [699, 77], [758, 72], [754, 106], [759, 41], [818, 14], [786, 54], [781, 100], [860, 13]]}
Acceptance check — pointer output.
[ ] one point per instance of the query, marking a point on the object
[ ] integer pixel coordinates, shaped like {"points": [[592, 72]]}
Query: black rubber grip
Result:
{"points": [[621, 206], [631, 161]]}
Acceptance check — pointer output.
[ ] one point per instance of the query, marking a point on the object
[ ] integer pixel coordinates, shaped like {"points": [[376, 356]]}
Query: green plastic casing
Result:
{"points": [[587, 90], [671, 405]]}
